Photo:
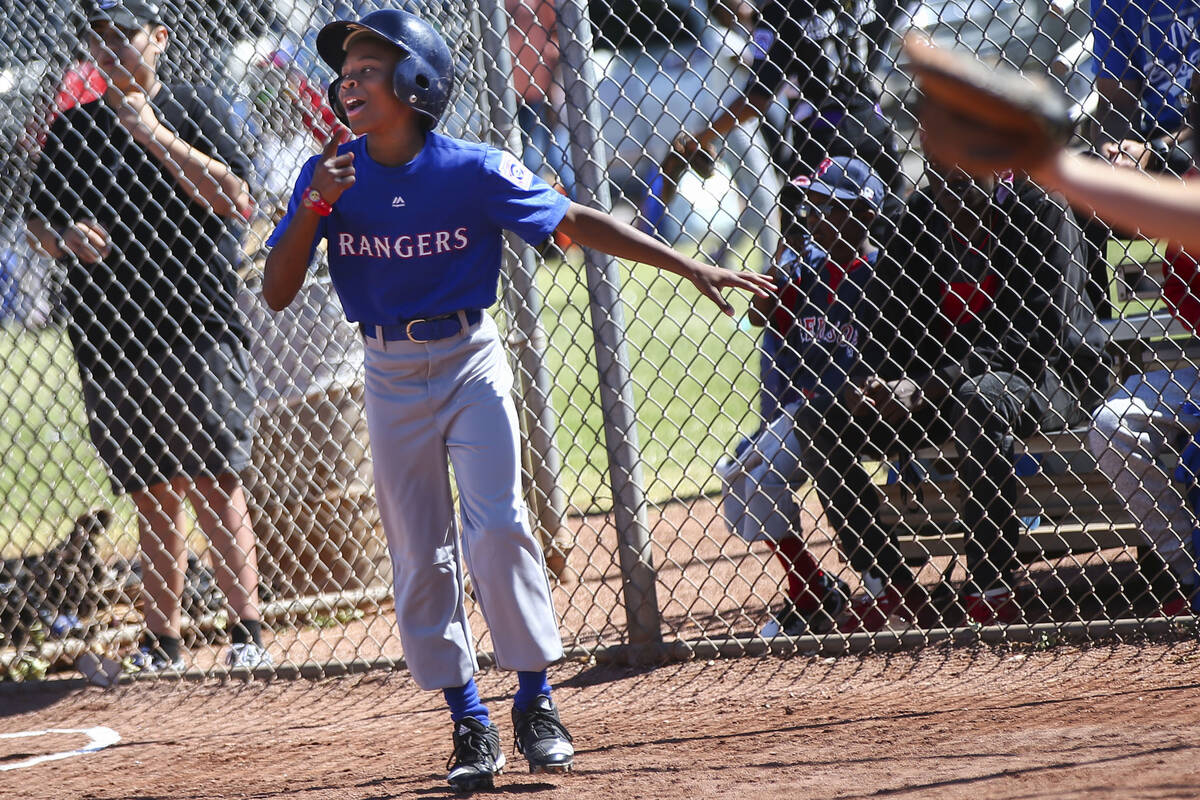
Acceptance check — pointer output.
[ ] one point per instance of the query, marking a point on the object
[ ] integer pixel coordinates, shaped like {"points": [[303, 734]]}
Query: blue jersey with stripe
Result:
{"points": [[826, 320], [425, 238]]}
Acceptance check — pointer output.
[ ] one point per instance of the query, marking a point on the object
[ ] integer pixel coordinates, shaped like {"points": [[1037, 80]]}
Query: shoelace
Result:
{"points": [[470, 744], [542, 724]]}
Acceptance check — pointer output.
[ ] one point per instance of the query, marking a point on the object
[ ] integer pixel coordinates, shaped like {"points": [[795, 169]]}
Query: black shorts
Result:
{"points": [[183, 415]]}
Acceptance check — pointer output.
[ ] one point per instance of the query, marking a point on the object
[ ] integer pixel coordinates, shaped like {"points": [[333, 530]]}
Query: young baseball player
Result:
{"points": [[413, 222], [819, 315], [989, 337]]}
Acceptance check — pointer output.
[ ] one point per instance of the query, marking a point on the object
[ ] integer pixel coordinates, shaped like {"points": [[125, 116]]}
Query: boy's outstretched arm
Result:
{"points": [[603, 232], [287, 263]]}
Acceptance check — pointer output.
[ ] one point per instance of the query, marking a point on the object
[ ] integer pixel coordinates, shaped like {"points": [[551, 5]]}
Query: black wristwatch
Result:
{"points": [[1167, 156], [1159, 148]]}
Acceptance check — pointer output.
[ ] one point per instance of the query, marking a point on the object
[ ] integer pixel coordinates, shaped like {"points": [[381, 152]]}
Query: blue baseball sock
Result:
{"points": [[464, 702], [529, 686]]}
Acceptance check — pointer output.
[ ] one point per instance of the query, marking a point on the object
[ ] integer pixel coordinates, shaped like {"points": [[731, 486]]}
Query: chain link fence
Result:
{"points": [[961, 417]]}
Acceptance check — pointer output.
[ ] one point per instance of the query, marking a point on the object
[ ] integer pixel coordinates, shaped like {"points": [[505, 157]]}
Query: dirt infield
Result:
{"points": [[1115, 721], [1119, 721], [709, 585]]}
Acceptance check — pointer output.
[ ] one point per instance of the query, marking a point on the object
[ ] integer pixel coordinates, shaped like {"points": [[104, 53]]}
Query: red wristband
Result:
{"points": [[313, 200]]}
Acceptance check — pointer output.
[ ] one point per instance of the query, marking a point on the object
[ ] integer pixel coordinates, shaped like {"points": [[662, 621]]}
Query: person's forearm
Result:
{"points": [[743, 108], [1159, 207], [287, 263], [598, 230], [45, 237], [205, 179]]}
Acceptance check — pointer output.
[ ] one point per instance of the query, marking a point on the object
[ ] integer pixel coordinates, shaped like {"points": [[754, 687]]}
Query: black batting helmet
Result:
{"points": [[424, 76]]}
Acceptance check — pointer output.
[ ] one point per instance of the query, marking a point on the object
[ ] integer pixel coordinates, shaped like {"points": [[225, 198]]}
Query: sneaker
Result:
{"points": [[870, 613], [146, 661], [477, 757], [833, 594], [1175, 607], [99, 670], [993, 607], [248, 655], [542, 738], [912, 604], [1175, 598]]}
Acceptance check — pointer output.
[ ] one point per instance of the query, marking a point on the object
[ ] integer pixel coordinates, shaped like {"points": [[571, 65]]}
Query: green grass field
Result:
{"points": [[695, 381], [49, 473], [694, 374]]}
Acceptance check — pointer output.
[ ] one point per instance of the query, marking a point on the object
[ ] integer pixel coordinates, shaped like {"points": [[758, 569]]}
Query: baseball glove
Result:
{"points": [[685, 153], [981, 118]]}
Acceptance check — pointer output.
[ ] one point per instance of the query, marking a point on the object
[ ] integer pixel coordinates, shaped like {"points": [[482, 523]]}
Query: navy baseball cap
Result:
{"points": [[128, 14], [847, 178]]}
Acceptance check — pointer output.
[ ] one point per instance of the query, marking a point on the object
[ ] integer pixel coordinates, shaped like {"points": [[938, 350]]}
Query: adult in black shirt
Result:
{"points": [[139, 193], [815, 53], [989, 336]]}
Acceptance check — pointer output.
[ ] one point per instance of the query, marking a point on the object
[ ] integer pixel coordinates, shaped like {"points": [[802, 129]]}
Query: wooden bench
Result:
{"points": [[1137, 280], [1078, 508], [1078, 512]]}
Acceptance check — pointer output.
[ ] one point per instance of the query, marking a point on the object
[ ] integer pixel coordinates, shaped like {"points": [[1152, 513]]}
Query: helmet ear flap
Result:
{"points": [[793, 205], [334, 103], [412, 87], [400, 83]]}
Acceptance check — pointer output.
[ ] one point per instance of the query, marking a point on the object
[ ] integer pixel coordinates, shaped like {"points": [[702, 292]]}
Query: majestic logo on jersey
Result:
{"points": [[397, 202], [515, 171], [415, 246]]}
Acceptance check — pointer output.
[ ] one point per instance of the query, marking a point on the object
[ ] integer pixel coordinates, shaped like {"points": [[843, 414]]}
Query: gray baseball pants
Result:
{"points": [[1136, 436], [452, 399]]}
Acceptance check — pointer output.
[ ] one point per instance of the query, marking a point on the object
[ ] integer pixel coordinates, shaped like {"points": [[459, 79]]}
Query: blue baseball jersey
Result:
{"points": [[824, 320], [425, 238], [1156, 41], [775, 364]]}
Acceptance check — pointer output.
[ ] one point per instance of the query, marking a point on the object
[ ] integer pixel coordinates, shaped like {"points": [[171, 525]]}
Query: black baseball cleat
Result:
{"points": [[831, 595], [542, 738], [477, 757]]}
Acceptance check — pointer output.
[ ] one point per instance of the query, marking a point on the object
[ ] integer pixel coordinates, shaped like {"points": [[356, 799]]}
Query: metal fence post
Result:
{"points": [[528, 337], [588, 157]]}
